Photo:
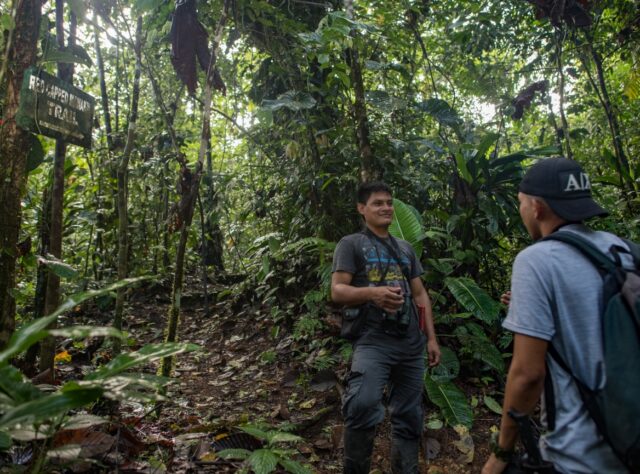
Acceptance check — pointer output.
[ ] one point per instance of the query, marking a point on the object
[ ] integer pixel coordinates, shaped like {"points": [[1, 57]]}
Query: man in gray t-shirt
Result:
{"points": [[380, 275], [556, 298]]}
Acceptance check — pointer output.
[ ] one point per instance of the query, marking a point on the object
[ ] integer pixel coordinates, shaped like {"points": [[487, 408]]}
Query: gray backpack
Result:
{"points": [[616, 407]]}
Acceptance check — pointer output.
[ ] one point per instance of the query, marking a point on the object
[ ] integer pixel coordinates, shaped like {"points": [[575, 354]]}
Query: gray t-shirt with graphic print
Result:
{"points": [[556, 295], [368, 260]]}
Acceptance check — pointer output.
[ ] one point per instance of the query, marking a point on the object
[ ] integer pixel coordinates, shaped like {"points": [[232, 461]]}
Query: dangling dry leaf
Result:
{"points": [[189, 40], [526, 95], [575, 12]]}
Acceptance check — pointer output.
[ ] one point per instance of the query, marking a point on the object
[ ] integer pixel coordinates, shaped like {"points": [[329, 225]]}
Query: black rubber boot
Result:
{"points": [[358, 445], [404, 456]]}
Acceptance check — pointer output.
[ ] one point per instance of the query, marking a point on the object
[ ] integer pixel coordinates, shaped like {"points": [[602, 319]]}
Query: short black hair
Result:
{"points": [[367, 189]]}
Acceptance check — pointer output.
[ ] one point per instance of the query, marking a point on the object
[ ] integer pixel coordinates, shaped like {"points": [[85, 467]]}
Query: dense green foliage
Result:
{"points": [[449, 128]]}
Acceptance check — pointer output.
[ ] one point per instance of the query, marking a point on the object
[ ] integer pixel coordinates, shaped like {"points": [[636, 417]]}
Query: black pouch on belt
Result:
{"points": [[354, 320]]}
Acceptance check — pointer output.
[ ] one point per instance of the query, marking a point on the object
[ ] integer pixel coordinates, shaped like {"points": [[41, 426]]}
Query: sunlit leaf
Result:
{"points": [[49, 406], [407, 225], [148, 353], [82, 332], [35, 331], [255, 432], [473, 298], [263, 461], [234, 453], [451, 400], [492, 405], [291, 100], [441, 111], [63, 270], [71, 54], [282, 437], [82, 421]]}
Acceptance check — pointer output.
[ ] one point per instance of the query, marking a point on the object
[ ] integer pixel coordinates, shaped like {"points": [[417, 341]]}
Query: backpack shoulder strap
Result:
{"points": [[599, 259]]}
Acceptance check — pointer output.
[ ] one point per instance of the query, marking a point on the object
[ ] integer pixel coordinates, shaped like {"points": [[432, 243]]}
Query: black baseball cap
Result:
{"points": [[565, 187]]}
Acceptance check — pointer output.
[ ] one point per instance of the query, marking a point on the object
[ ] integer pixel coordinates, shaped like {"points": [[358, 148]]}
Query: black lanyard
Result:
{"points": [[392, 253]]}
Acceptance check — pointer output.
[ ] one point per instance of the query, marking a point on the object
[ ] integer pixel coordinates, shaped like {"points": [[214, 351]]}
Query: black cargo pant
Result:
{"points": [[372, 369]]}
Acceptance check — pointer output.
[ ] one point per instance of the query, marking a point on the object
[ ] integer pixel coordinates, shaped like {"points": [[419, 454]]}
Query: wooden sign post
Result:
{"points": [[52, 107]]}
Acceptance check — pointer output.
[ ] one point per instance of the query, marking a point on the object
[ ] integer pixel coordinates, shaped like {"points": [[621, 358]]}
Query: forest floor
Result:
{"points": [[243, 375]]}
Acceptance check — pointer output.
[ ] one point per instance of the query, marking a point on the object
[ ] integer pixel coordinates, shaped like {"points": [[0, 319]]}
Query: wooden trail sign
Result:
{"points": [[52, 107]]}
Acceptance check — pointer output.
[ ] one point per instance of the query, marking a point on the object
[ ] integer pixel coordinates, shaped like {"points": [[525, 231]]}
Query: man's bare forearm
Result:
{"points": [[350, 295]]}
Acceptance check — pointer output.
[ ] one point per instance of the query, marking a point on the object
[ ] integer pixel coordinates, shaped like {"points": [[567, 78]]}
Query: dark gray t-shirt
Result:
{"points": [[556, 295], [368, 260]]}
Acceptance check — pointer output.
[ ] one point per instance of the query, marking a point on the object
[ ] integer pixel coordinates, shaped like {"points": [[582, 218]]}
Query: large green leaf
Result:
{"points": [[463, 170], [451, 400], [255, 432], [475, 341], [74, 54], [49, 406], [283, 437], [14, 387], [291, 100], [487, 141], [263, 461], [82, 332], [492, 405], [148, 353], [135, 386], [234, 453], [449, 366], [385, 102], [441, 111], [35, 331], [473, 298], [407, 225], [63, 270]]}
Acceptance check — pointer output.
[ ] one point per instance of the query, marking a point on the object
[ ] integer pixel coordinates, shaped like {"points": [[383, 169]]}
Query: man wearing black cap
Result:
{"points": [[556, 299]]}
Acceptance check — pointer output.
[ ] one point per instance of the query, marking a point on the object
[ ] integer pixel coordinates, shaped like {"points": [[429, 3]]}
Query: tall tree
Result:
{"points": [[123, 191], [14, 146], [368, 171], [52, 298], [190, 185]]}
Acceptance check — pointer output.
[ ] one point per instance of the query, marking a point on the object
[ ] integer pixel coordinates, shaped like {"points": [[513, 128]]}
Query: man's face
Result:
{"points": [[528, 215], [378, 211]]}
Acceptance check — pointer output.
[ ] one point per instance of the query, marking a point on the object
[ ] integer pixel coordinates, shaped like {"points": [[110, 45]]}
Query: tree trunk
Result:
{"points": [[203, 257], [367, 167], [123, 176], [41, 279], [52, 299], [103, 87], [623, 163], [563, 117], [14, 147], [190, 196]]}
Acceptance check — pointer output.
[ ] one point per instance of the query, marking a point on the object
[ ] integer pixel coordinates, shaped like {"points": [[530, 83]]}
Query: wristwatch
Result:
{"points": [[504, 455]]}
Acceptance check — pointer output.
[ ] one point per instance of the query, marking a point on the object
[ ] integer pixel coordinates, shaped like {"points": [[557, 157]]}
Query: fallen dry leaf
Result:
{"points": [[464, 445]]}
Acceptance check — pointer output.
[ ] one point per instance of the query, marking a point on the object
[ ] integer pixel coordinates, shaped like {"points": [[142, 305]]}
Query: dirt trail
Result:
{"points": [[244, 374]]}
